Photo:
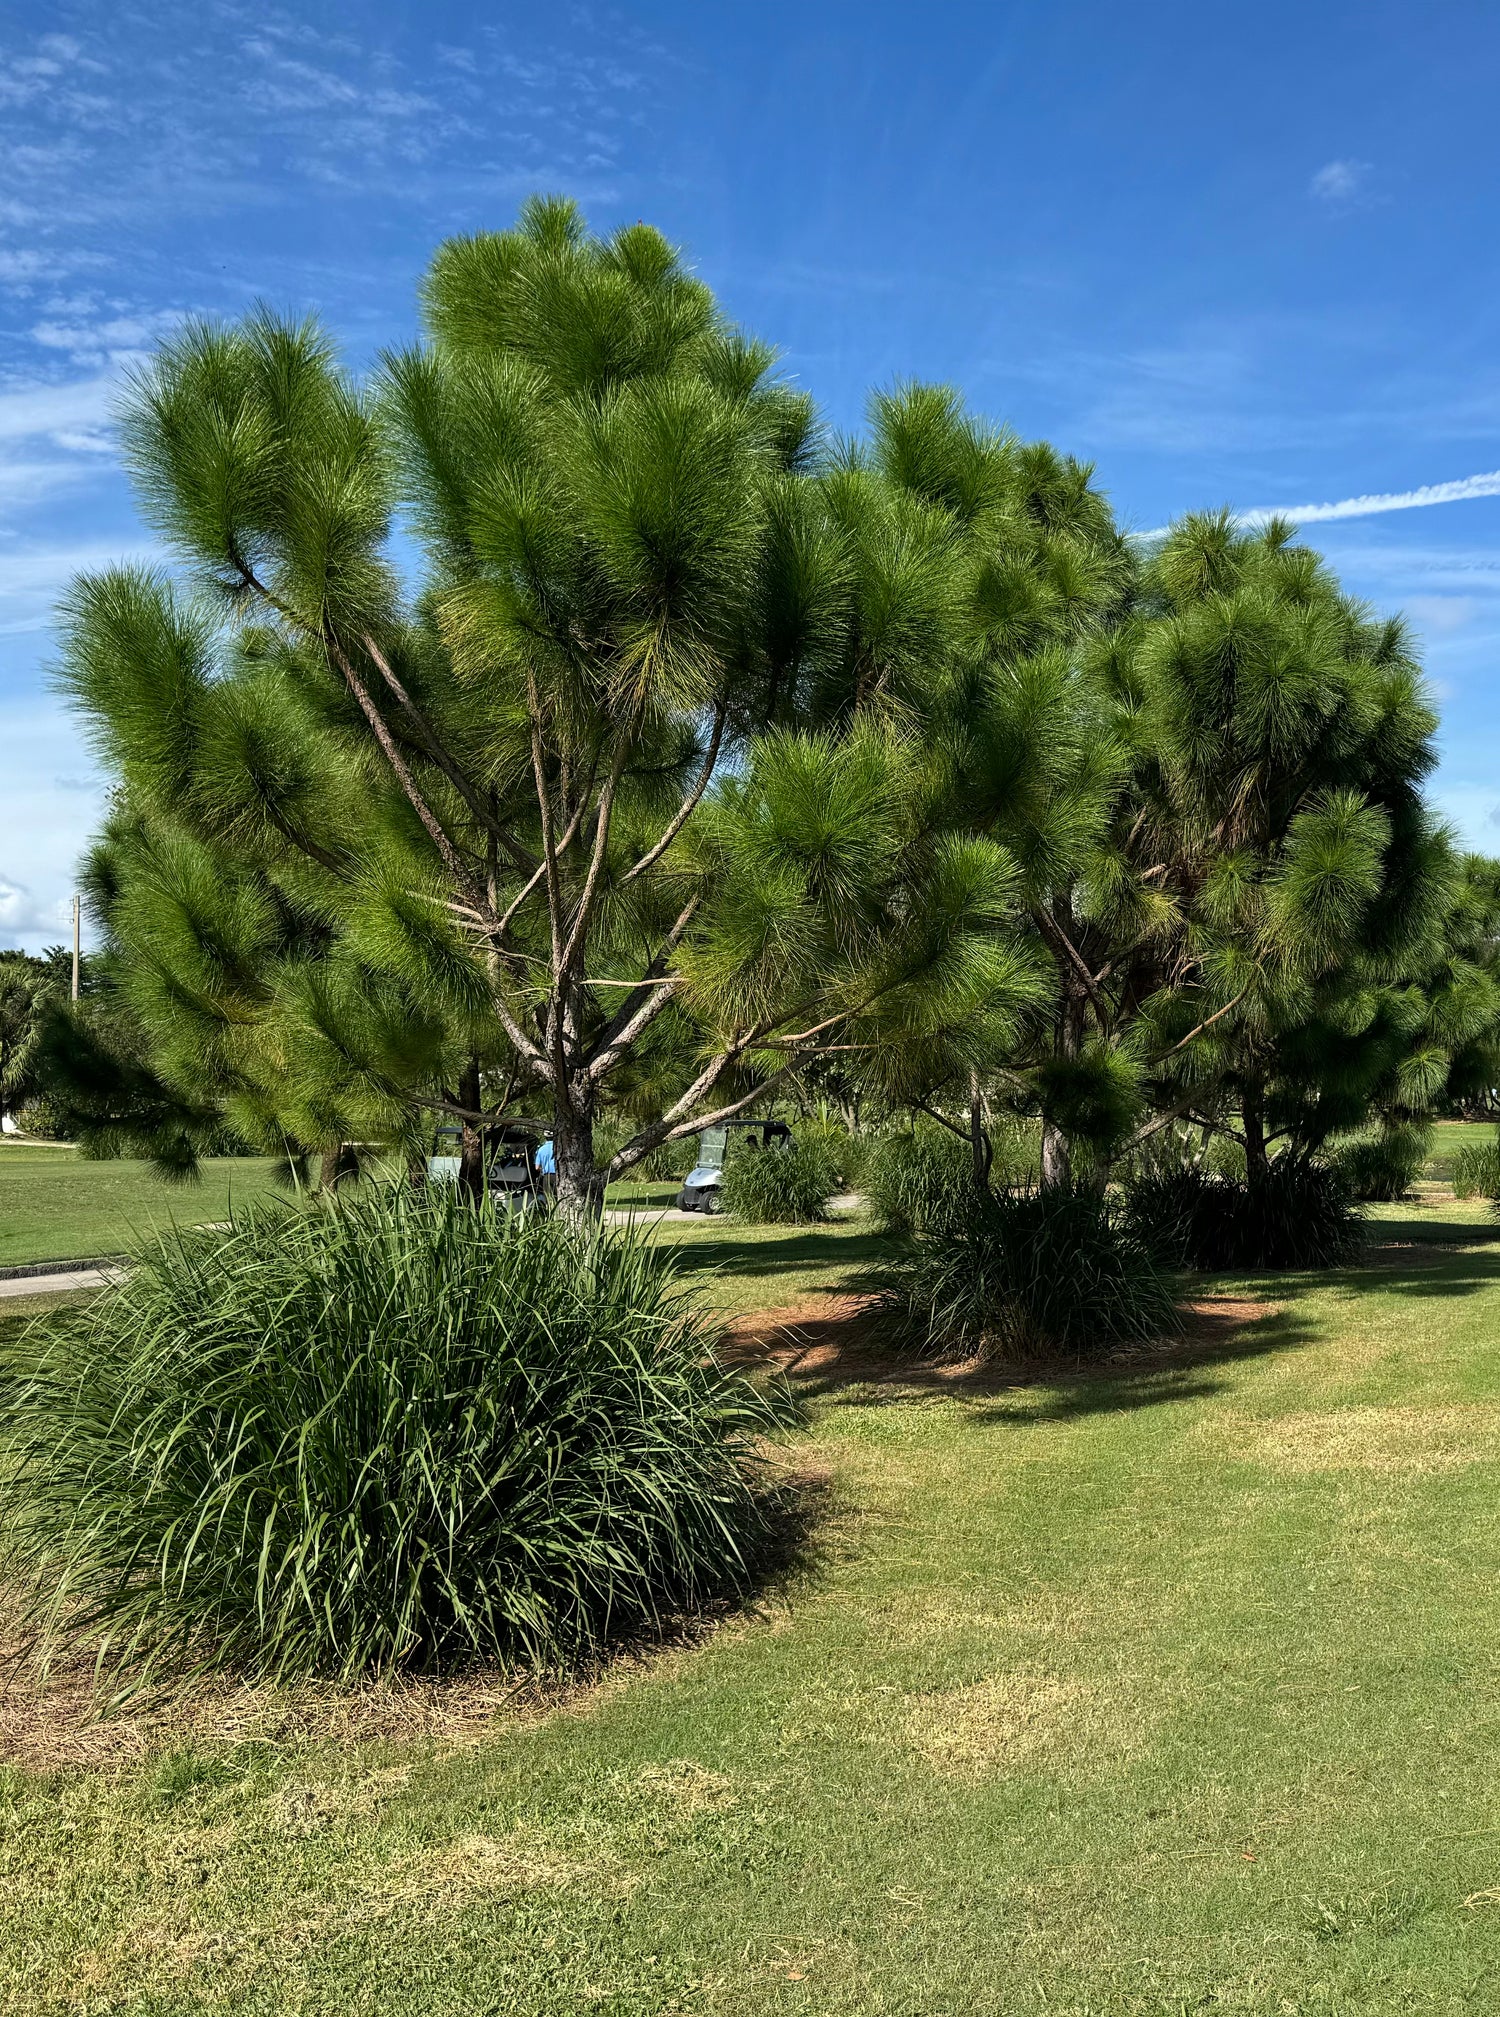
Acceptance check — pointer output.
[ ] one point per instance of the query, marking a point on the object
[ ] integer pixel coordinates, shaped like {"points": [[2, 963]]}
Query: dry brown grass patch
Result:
{"points": [[1000, 1724], [1391, 1440]]}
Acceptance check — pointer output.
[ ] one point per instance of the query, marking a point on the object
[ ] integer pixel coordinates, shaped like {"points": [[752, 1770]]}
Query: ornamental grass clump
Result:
{"points": [[398, 1434], [1476, 1171], [785, 1186], [1028, 1274], [1298, 1215], [1381, 1168]]}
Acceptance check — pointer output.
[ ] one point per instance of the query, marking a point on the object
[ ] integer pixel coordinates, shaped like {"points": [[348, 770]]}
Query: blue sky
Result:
{"points": [[1231, 255]]}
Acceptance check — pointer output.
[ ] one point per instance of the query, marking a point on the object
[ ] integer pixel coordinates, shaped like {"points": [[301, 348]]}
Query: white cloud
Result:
{"points": [[1338, 183], [27, 921], [1369, 505], [30, 411], [32, 580]]}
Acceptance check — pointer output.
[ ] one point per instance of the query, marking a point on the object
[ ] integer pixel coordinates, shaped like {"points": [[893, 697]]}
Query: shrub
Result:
{"points": [[1298, 1216], [847, 1152], [786, 1186], [391, 1434], [1476, 1171], [1028, 1272], [920, 1182], [1383, 1167]]}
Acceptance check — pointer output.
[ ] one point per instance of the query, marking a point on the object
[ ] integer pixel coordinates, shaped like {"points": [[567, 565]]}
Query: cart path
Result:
{"points": [[57, 1282]]}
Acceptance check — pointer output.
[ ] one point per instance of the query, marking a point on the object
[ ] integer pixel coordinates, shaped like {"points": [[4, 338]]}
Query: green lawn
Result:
{"points": [[1174, 1689], [1448, 1137], [55, 1205]]}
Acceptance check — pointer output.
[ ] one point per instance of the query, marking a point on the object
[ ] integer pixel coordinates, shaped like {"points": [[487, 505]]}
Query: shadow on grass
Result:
{"points": [[848, 1356], [795, 1251]]}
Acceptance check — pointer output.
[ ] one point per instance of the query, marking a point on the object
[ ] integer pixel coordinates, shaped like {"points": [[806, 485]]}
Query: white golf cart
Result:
{"points": [[700, 1188], [517, 1175]]}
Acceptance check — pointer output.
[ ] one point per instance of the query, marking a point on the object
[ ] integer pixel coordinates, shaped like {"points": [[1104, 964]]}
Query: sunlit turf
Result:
{"points": [[1449, 1137], [1171, 1689], [56, 1206]]}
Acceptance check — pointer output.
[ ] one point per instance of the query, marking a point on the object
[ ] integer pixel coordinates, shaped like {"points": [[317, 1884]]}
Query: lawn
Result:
{"points": [[56, 1206], [1171, 1689]]}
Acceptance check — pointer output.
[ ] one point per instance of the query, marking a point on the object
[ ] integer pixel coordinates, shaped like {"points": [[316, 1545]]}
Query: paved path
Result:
{"points": [[57, 1284]]}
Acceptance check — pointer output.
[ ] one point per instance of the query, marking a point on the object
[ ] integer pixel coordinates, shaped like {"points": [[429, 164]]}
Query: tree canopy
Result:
{"points": [[560, 721]]}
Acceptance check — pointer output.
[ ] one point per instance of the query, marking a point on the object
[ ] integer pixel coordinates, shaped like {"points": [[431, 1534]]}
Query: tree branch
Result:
{"points": [[447, 764], [684, 812]]}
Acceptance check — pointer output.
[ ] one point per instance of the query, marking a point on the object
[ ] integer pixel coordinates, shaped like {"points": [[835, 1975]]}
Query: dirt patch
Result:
{"points": [[1409, 1440], [836, 1339]]}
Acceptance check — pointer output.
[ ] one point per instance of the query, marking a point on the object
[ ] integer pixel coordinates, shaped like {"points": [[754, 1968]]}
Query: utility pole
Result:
{"points": [[75, 948]]}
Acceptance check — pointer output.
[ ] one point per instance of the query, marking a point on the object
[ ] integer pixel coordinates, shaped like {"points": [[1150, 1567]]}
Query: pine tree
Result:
{"points": [[637, 753]]}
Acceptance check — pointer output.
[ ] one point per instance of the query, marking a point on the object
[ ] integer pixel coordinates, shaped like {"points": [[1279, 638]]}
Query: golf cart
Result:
{"points": [[700, 1189], [517, 1169]]}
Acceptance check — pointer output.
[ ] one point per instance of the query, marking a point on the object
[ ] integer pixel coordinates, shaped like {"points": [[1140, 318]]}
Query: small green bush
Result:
{"points": [[393, 1433], [788, 1185], [847, 1152], [1025, 1273], [1476, 1171], [1382, 1168], [920, 1182], [1299, 1216]]}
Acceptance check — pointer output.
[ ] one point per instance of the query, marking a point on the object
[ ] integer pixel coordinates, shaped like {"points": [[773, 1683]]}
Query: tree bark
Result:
{"points": [[580, 1181], [979, 1139], [1057, 1160], [1253, 1115], [471, 1147]]}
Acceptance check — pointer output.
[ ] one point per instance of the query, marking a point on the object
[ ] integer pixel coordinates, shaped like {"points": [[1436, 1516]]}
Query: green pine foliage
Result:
{"points": [[390, 1435]]}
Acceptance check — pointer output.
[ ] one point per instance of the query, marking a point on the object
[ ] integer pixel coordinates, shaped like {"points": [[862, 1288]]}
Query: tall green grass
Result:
{"points": [[1476, 1170], [1300, 1215], [788, 1186], [392, 1434], [1026, 1274]]}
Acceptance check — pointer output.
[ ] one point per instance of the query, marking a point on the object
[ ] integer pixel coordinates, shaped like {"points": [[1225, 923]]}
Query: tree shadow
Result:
{"points": [[792, 1252], [849, 1356]]}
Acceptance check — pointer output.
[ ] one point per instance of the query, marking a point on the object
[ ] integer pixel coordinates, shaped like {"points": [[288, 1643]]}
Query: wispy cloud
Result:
{"points": [[1487, 484], [1337, 184]]}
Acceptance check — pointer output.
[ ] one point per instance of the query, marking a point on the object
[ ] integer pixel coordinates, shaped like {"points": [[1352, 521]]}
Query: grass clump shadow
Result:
{"points": [[393, 1436]]}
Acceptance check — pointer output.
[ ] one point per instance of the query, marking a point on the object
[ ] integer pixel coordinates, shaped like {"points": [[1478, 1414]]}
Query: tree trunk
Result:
{"points": [[331, 1167], [979, 1140], [471, 1147], [580, 1181], [1252, 1112], [1057, 1162]]}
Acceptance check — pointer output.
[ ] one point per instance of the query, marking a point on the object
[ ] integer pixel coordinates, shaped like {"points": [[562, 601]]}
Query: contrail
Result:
{"points": [[1486, 485]]}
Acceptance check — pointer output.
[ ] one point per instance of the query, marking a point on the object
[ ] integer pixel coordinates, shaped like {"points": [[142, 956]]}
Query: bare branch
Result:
{"points": [[447, 764], [684, 812], [658, 1134], [1207, 1023], [436, 831]]}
